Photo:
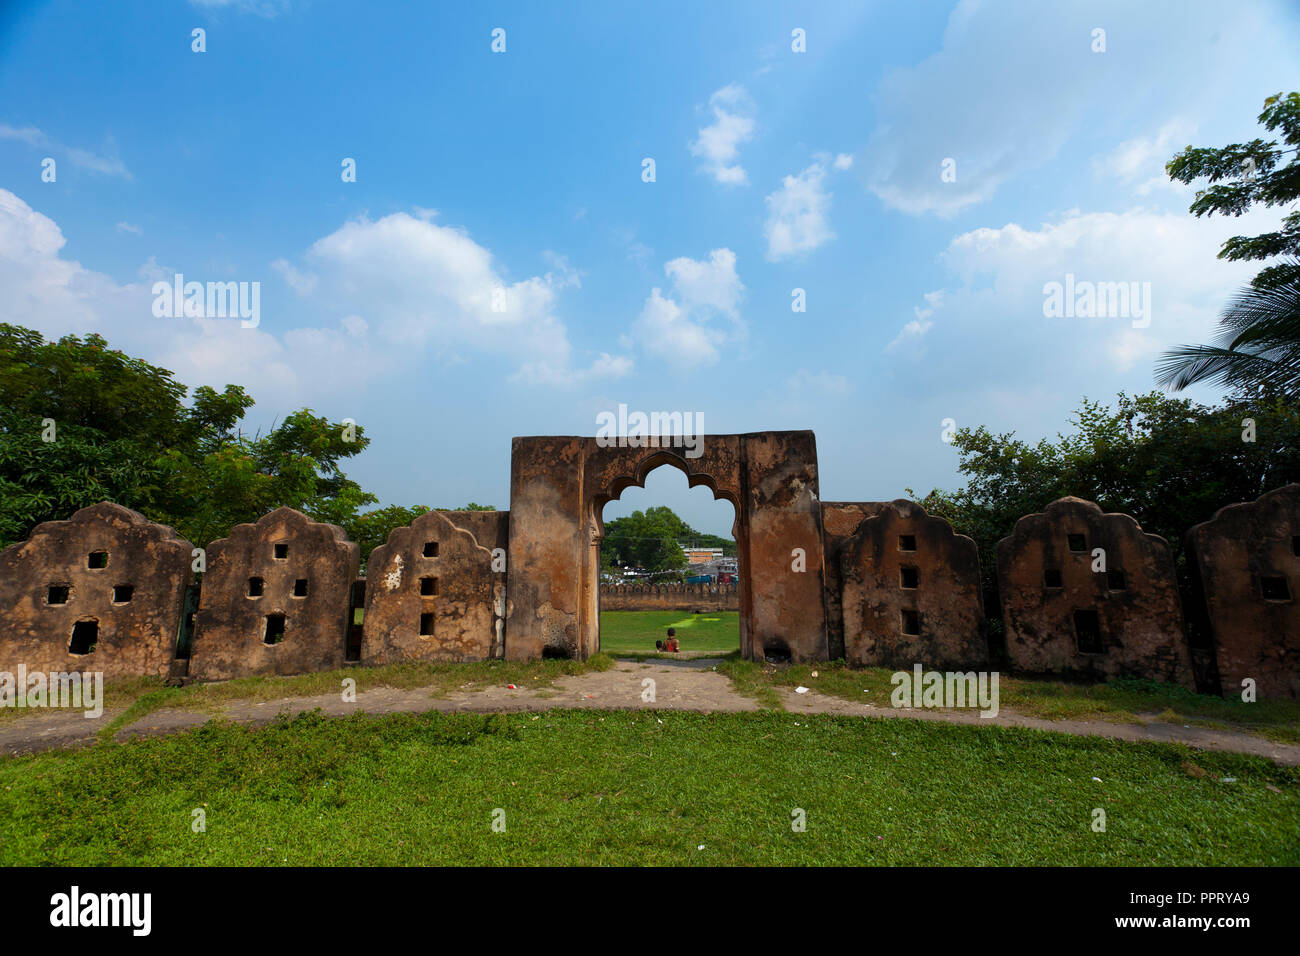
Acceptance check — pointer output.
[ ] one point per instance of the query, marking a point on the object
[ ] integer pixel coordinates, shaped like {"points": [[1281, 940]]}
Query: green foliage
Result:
{"points": [[1231, 192], [123, 433], [1259, 331], [646, 540], [1169, 462], [372, 529]]}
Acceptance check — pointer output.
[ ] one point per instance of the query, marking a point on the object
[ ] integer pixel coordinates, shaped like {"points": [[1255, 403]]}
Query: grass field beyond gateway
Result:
{"points": [[622, 787]]}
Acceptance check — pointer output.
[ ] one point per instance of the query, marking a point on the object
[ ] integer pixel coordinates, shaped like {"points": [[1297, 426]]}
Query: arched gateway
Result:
{"points": [[558, 486]]}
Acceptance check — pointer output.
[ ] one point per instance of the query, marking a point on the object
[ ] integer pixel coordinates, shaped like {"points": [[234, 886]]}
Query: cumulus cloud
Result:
{"points": [[420, 283], [1140, 162], [718, 144], [679, 327], [1002, 273], [797, 214], [384, 318], [1013, 82]]}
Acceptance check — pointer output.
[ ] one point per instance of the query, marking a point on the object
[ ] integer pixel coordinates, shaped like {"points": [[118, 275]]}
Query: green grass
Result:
{"points": [[1117, 700], [635, 632], [629, 788]]}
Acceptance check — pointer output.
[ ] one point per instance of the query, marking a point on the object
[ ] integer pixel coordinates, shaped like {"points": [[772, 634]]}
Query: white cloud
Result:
{"points": [[104, 165], [1140, 162], [796, 214], [27, 134], [131, 228], [1003, 272], [420, 283], [1014, 82], [678, 327], [40, 289], [711, 284], [843, 161], [910, 336], [718, 144]]}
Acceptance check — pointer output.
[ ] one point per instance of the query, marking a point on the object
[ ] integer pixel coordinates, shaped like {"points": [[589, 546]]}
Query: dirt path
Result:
{"points": [[676, 685]]}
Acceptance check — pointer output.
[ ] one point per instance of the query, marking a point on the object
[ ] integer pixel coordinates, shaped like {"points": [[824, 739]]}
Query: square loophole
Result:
{"points": [[281, 551], [426, 625], [96, 560], [910, 621], [431, 549], [1052, 578], [907, 542], [1275, 588], [300, 587], [255, 586], [57, 594], [908, 577], [1087, 632], [274, 632], [428, 587], [85, 635], [1115, 581], [1077, 542], [122, 593]]}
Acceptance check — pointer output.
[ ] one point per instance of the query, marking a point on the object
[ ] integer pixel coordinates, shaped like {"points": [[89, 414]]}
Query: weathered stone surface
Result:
{"points": [[491, 529], [1126, 621], [670, 597], [135, 632], [282, 549], [840, 519], [431, 594], [1248, 560], [911, 592], [559, 486]]}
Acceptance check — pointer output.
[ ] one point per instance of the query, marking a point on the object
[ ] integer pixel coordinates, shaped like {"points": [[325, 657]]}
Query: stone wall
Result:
{"points": [[431, 594], [275, 599], [1089, 594], [911, 592], [670, 597], [1247, 559], [1084, 594], [840, 519], [102, 591]]}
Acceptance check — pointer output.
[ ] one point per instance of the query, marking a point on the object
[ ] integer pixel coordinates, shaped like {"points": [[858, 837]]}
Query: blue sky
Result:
{"points": [[522, 171]]}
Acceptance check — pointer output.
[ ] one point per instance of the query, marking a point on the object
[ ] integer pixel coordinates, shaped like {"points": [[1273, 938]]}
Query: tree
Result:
{"points": [[1258, 345], [1259, 338], [1243, 174], [81, 423], [1169, 462]]}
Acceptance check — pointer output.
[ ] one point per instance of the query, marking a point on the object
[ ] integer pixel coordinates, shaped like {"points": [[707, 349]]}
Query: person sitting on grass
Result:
{"points": [[671, 644]]}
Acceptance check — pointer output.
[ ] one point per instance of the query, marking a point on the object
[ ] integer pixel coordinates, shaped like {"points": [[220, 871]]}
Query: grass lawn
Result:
{"points": [[1118, 700], [581, 787], [635, 632]]}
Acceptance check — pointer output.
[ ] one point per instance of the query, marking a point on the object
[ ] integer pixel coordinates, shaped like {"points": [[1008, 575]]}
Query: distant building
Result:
{"points": [[702, 555]]}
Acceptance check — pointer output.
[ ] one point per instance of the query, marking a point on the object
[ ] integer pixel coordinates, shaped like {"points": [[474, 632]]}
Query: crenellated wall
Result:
{"points": [[1084, 594], [670, 597]]}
